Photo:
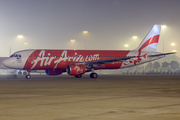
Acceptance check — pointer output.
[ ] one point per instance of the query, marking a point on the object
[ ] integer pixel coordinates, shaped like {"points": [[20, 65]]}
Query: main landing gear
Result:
{"points": [[78, 76], [93, 75]]}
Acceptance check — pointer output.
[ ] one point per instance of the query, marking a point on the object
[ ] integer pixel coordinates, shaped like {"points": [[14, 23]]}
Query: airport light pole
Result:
{"points": [[163, 27], [85, 32], [72, 41], [126, 45], [173, 44], [134, 37], [20, 36]]}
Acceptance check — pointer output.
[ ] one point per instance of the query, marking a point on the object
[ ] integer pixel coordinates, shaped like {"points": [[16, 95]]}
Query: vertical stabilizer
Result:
{"points": [[151, 40]]}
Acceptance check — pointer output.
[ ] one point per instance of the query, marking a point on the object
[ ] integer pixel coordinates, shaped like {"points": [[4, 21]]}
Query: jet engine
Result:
{"points": [[54, 72], [76, 69]]}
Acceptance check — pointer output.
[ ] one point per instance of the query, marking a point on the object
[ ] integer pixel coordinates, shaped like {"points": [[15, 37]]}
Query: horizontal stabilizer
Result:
{"points": [[162, 54]]}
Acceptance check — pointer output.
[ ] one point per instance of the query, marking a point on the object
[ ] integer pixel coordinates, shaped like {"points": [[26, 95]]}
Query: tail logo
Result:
{"points": [[150, 41]]}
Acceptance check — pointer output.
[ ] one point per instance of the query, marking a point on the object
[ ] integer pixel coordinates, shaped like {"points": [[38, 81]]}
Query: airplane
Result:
{"points": [[78, 62]]}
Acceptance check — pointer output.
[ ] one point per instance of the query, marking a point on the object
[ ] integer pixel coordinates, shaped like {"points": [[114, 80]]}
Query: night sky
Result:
{"points": [[51, 24]]}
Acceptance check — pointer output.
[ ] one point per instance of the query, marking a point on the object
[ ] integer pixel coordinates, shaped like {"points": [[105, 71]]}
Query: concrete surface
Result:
{"points": [[104, 98]]}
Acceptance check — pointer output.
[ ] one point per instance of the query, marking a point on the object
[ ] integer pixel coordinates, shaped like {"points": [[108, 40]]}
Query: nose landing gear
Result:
{"points": [[28, 76]]}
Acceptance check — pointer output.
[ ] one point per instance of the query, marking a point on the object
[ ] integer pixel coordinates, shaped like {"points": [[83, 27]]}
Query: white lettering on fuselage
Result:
{"points": [[44, 61]]}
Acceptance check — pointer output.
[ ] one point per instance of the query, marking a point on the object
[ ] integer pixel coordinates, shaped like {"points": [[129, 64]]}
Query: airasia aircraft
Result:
{"points": [[77, 62]]}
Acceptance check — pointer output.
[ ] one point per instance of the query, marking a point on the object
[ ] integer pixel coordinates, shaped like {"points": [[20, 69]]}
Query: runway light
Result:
{"points": [[74, 49], [20, 36], [25, 43], [174, 50]]}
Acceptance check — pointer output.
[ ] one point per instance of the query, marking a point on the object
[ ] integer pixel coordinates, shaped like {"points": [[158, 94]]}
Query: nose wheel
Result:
{"points": [[93, 75], [28, 76]]}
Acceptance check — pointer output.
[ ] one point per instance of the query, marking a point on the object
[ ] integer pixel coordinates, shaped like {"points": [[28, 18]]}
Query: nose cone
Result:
{"points": [[7, 62], [10, 63]]}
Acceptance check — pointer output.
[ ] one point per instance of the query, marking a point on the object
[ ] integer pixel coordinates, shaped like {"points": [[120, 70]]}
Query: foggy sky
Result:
{"points": [[51, 24]]}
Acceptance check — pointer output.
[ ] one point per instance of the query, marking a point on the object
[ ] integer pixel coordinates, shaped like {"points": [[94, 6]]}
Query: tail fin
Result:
{"points": [[151, 40]]}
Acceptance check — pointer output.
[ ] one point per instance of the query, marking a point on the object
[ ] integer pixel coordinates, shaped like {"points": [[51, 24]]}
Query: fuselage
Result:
{"points": [[43, 59]]}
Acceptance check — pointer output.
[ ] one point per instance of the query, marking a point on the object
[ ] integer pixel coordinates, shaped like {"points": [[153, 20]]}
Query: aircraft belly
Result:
{"points": [[113, 65]]}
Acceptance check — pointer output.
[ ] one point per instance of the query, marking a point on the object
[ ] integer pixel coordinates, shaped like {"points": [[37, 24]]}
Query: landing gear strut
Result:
{"points": [[93, 75]]}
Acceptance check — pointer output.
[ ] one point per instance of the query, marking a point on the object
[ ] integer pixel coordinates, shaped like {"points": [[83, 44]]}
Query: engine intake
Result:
{"points": [[76, 69]]}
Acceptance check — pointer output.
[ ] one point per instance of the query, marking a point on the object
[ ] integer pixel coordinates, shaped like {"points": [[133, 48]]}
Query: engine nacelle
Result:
{"points": [[76, 69], [54, 72]]}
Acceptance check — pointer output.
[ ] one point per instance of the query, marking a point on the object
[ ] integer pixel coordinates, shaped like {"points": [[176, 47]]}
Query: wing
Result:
{"points": [[111, 60], [93, 64]]}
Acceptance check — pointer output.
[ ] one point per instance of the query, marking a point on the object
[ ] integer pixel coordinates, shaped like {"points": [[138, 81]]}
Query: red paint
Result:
{"points": [[76, 69], [144, 55], [152, 40], [87, 56]]}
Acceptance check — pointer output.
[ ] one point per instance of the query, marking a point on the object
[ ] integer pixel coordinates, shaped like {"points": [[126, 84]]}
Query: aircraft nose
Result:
{"points": [[8, 62]]}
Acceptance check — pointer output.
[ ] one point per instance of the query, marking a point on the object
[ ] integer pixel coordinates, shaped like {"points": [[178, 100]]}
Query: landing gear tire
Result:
{"points": [[78, 76], [93, 75], [28, 76]]}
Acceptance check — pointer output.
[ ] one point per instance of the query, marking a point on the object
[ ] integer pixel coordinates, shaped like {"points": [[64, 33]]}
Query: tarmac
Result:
{"points": [[108, 97]]}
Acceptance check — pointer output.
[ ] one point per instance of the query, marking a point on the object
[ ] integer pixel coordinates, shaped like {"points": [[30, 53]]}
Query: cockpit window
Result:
{"points": [[13, 55], [16, 55]]}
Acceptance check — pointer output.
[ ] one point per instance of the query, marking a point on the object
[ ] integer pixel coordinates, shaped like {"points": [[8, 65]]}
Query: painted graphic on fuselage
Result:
{"points": [[46, 60]]}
